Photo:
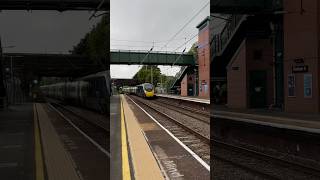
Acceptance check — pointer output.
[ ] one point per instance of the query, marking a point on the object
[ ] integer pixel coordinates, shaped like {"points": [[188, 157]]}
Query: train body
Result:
{"points": [[143, 90], [91, 91]]}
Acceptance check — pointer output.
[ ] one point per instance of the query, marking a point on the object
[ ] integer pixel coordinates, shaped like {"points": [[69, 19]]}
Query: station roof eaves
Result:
{"points": [[203, 21]]}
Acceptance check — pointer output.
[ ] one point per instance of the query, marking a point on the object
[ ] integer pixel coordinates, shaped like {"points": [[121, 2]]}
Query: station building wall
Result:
{"points": [[184, 86], [252, 55], [187, 85], [236, 79], [301, 56], [204, 60]]}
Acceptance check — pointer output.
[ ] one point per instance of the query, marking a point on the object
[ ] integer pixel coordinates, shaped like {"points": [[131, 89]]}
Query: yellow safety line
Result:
{"points": [[38, 149], [126, 175]]}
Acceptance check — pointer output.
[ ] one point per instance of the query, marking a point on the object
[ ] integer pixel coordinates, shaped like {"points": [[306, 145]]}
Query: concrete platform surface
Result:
{"points": [[115, 138], [186, 98], [174, 160], [17, 160], [296, 121], [144, 164], [58, 162]]}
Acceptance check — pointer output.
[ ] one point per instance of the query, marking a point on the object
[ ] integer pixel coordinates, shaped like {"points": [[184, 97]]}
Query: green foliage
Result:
{"points": [[144, 74], [168, 82], [193, 50], [95, 44]]}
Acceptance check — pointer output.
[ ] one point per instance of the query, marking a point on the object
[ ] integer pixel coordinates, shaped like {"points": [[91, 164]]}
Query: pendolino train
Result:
{"points": [[143, 90], [91, 91]]}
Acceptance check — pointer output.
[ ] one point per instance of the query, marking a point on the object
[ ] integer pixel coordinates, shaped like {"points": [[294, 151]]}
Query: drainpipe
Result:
{"points": [[278, 51]]}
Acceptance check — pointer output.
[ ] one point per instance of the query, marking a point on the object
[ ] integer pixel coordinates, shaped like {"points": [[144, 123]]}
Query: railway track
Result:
{"points": [[194, 113], [196, 141], [260, 156], [93, 130], [198, 108]]}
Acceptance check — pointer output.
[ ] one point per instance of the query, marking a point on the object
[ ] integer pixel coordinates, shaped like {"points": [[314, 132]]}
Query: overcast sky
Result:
{"points": [[136, 24], [43, 31]]}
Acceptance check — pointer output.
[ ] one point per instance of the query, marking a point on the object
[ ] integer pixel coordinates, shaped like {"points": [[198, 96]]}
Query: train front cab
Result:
{"points": [[145, 90]]}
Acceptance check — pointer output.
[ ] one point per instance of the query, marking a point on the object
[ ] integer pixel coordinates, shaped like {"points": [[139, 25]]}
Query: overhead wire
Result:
{"points": [[217, 26], [147, 42], [185, 25]]}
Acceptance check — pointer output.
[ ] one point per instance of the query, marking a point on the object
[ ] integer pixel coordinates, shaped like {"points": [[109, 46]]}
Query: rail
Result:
{"points": [[220, 41], [178, 75]]}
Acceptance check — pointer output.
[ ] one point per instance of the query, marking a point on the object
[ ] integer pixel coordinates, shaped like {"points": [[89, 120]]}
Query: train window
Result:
{"points": [[148, 87]]}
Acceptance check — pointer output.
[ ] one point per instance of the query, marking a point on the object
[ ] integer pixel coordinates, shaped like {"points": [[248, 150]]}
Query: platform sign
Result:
{"points": [[291, 85], [307, 85]]}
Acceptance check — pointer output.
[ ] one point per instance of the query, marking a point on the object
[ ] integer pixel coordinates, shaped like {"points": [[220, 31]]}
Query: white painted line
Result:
{"points": [[175, 138], [83, 133], [282, 126]]}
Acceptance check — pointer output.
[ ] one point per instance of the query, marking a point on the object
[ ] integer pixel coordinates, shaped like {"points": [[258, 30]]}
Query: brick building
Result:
{"points": [[201, 76], [301, 56], [204, 58], [250, 75], [187, 85], [271, 58]]}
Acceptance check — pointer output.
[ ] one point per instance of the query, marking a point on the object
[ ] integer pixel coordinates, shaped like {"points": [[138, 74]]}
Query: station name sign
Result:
{"points": [[299, 66]]}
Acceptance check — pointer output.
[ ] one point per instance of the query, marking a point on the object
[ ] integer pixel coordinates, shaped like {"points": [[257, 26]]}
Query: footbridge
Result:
{"points": [[151, 58]]}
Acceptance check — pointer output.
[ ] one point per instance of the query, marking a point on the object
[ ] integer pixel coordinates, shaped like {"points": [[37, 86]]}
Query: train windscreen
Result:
{"points": [[148, 87]]}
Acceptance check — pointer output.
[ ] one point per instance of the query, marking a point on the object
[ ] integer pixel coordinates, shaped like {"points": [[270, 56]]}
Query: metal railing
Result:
{"points": [[178, 75], [220, 40], [146, 51]]}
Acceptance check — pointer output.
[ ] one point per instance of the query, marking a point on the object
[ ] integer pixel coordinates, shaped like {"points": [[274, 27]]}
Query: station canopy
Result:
{"points": [[53, 65], [245, 6], [59, 5]]}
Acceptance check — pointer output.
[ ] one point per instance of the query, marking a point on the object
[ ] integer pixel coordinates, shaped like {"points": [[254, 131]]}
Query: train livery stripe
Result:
{"points": [[126, 174], [38, 148]]}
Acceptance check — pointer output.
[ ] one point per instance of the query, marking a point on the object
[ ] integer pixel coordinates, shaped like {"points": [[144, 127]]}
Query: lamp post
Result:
{"points": [[11, 73]]}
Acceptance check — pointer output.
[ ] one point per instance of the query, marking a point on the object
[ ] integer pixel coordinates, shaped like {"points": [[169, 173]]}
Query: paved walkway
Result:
{"points": [[115, 136], [144, 164], [176, 160], [16, 143], [186, 98], [59, 164], [298, 121]]}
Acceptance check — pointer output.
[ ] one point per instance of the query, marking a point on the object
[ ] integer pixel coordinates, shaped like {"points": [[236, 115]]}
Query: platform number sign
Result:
{"points": [[291, 85], [307, 85]]}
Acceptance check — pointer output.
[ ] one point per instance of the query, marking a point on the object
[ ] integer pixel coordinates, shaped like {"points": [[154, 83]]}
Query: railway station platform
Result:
{"points": [[152, 152], [115, 136], [185, 98], [65, 149], [16, 143], [294, 121]]}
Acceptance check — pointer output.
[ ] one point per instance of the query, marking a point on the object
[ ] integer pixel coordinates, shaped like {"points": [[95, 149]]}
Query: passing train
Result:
{"points": [[91, 91], [143, 90]]}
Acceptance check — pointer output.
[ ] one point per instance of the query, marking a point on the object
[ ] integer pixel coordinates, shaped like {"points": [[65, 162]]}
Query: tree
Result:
{"points": [[193, 50], [144, 74], [95, 44]]}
